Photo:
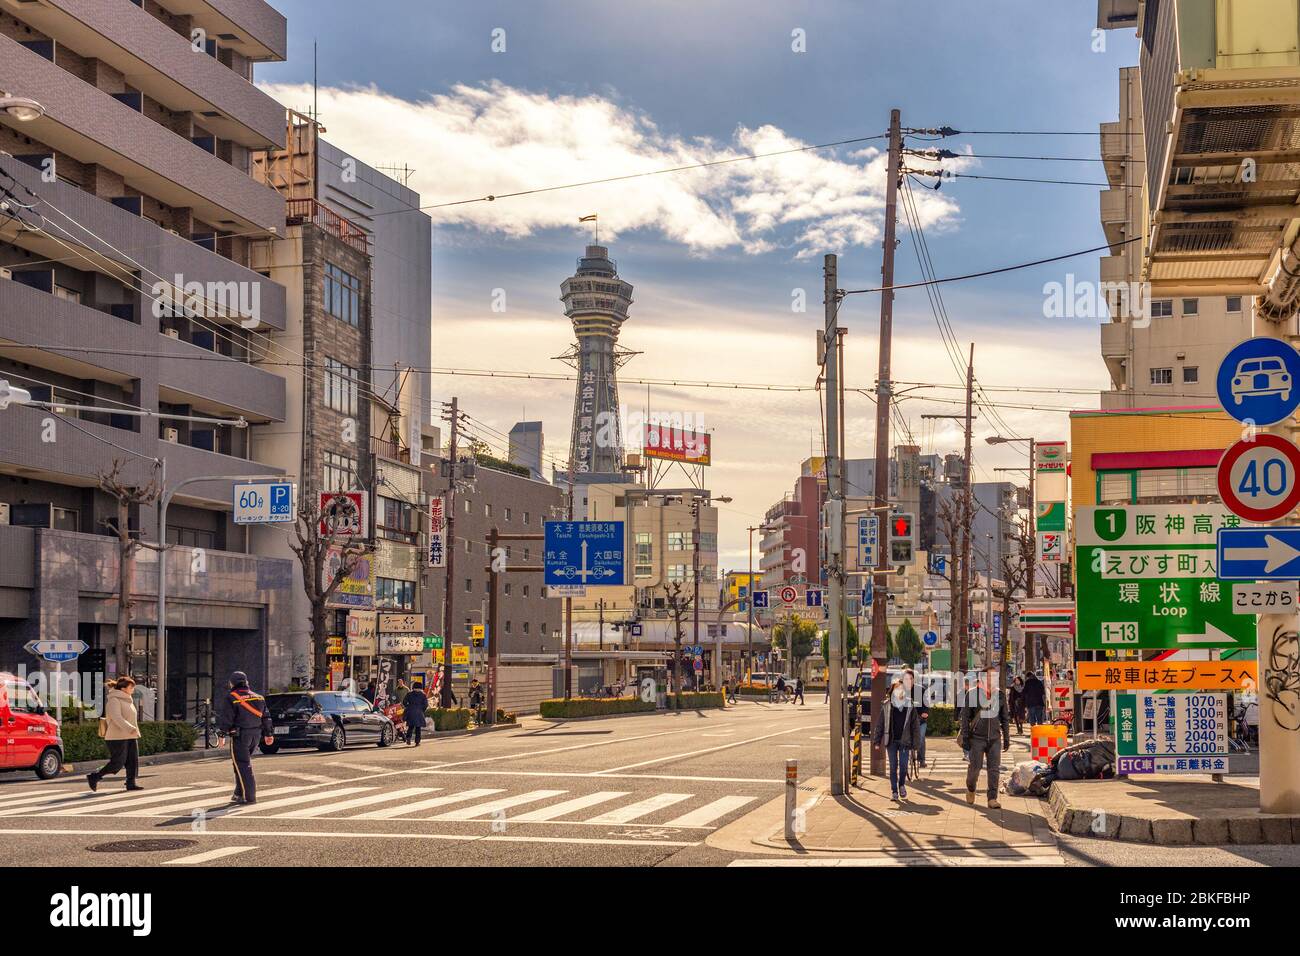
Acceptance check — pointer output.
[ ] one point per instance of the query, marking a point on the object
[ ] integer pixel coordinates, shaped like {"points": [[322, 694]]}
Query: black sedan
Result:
{"points": [[329, 720]]}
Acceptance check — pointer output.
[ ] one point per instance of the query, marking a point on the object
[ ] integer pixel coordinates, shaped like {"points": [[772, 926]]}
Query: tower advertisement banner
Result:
{"points": [[677, 444]]}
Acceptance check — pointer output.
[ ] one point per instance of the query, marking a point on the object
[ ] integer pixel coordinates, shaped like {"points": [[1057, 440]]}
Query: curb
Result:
{"points": [[634, 713], [1223, 827]]}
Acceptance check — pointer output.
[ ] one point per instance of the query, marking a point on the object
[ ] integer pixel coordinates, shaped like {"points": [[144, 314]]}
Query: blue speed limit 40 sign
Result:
{"points": [[1257, 381]]}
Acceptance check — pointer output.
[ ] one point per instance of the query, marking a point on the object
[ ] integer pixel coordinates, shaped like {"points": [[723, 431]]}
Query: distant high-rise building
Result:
{"points": [[596, 300], [527, 446]]}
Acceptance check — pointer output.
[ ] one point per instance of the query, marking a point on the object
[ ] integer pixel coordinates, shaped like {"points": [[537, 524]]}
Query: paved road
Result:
{"points": [[638, 790]]}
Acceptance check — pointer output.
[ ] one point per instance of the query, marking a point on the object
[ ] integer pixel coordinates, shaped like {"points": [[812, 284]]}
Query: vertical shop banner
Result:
{"points": [[437, 533]]}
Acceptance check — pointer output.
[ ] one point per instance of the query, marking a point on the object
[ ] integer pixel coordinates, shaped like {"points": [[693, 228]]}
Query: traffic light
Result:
{"points": [[902, 539]]}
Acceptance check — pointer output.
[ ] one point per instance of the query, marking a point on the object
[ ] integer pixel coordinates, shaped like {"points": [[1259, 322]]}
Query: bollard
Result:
{"points": [[791, 796]]}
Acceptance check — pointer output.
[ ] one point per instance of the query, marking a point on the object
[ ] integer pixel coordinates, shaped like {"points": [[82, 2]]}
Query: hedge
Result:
{"points": [[696, 700], [595, 706], [449, 718], [81, 741], [940, 723]]}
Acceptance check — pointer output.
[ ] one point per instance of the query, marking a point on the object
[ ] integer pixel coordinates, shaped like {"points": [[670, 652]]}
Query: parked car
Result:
{"points": [[328, 719], [29, 737]]}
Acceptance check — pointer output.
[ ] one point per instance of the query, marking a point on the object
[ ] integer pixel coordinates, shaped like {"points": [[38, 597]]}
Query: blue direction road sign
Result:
{"points": [[1259, 554], [997, 631], [57, 651], [868, 593], [938, 564], [760, 600], [930, 638], [584, 552], [263, 502], [813, 597], [1257, 381]]}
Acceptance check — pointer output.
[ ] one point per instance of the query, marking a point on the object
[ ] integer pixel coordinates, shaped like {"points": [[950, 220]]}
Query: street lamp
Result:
{"points": [[22, 108], [13, 395]]}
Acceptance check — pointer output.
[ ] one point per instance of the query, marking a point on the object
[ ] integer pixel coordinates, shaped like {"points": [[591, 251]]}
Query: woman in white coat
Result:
{"points": [[121, 733]]}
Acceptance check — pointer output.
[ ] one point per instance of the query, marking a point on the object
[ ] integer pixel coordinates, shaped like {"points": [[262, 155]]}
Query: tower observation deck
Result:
{"points": [[596, 300]]}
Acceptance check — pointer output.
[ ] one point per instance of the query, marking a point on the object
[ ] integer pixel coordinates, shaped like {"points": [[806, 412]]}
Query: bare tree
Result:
{"points": [[679, 605], [949, 523], [320, 581], [1015, 577], [127, 496]]}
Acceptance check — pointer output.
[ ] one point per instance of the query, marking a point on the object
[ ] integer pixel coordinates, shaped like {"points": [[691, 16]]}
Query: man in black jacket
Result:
{"points": [[985, 730], [243, 717], [1035, 698]]}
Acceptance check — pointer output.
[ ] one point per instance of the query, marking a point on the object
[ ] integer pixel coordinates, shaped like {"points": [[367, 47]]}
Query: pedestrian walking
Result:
{"points": [[1016, 703], [414, 705], [120, 729], [1035, 698], [797, 696], [371, 690], [243, 717], [780, 687], [730, 685], [917, 696], [985, 732], [400, 691], [895, 730]]}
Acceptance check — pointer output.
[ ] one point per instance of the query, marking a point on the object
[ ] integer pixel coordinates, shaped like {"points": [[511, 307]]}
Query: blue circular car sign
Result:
{"points": [[1257, 381], [930, 638]]}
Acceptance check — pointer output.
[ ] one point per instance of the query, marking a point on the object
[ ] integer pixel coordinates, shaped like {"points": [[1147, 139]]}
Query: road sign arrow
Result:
{"points": [[1274, 554], [1212, 635]]}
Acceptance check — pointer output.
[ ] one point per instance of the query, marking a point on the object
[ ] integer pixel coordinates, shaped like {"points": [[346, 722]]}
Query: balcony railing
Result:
{"points": [[300, 211]]}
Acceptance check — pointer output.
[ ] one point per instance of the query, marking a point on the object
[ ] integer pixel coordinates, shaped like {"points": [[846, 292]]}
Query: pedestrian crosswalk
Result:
{"points": [[383, 799]]}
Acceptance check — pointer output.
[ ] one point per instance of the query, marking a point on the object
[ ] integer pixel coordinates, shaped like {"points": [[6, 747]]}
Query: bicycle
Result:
{"points": [[205, 726]]}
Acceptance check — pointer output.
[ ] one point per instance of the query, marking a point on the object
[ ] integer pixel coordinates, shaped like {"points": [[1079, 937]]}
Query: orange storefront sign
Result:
{"points": [[1167, 675]]}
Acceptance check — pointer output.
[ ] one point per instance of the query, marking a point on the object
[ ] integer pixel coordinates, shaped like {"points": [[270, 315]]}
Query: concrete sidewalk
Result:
{"points": [[1187, 810]]}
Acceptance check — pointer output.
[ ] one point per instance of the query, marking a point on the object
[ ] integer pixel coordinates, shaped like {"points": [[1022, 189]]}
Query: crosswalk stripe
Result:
{"points": [[309, 777], [57, 802], [387, 797], [209, 855], [706, 814], [641, 808], [130, 804], [260, 808], [387, 813], [568, 806], [492, 806], [202, 802]]}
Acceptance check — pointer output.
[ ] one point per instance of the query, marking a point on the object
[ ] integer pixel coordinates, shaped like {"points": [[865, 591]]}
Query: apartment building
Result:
{"points": [[1160, 350], [126, 288]]}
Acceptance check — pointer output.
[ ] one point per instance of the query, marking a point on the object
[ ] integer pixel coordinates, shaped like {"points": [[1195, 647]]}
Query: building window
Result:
{"points": [[525, 627], [525, 517], [185, 537], [392, 593], [543, 628], [340, 387], [708, 572], [527, 553], [1162, 376], [68, 295], [340, 472], [525, 590], [507, 589], [708, 541], [508, 513], [1191, 306], [467, 546], [466, 506], [644, 555], [679, 572], [397, 521], [1233, 303], [342, 295], [1175, 485], [679, 540], [1191, 374], [507, 626], [487, 510], [1162, 308], [469, 584]]}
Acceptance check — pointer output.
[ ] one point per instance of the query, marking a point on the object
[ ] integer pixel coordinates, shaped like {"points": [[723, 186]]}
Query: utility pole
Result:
{"points": [[600, 606], [695, 570], [963, 594], [568, 612], [884, 389], [834, 524], [453, 470]]}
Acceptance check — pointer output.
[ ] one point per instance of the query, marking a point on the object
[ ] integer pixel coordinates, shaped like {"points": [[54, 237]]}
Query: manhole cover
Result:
{"points": [[140, 846]]}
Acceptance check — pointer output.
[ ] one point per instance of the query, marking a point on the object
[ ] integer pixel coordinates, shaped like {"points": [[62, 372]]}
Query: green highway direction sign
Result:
{"points": [[1147, 579]]}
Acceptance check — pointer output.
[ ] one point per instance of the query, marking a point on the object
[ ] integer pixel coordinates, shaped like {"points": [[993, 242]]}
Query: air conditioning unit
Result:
{"points": [[172, 435], [6, 273], [172, 333]]}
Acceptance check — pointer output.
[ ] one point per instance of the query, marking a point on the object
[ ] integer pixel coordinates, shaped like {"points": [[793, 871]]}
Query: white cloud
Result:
{"points": [[475, 141]]}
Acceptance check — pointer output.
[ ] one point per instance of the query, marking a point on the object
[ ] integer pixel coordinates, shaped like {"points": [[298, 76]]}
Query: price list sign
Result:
{"points": [[1172, 733]]}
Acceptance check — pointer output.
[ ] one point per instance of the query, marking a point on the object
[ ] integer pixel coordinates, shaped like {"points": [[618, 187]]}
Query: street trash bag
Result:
{"points": [[1023, 775], [1086, 760]]}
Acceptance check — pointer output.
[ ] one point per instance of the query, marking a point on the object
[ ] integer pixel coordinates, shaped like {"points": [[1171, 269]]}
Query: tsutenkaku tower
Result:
{"points": [[596, 300]]}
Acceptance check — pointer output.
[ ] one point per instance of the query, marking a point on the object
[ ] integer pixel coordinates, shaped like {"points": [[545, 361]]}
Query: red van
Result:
{"points": [[29, 737]]}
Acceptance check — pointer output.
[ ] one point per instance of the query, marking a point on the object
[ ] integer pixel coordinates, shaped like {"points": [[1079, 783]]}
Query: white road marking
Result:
{"points": [[209, 855], [202, 803], [354, 835], [641, 808], [260, 808], [81, 798], [116, 805], [504, 803], [725, 733], [309, 777], [359, 766], [696, 753], [569, 806], [947, 856], [706, 814], [389, 812], [323, 809]]}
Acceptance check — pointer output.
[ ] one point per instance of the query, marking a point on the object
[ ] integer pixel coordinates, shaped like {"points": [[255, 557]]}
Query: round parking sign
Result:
{"points": [[1260, 480], [1257, 381]]}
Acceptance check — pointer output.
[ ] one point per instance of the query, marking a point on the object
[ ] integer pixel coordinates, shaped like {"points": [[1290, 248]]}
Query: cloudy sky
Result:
{"points": [[495, 98]]}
